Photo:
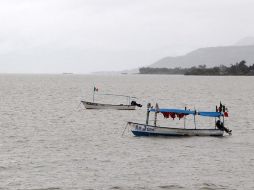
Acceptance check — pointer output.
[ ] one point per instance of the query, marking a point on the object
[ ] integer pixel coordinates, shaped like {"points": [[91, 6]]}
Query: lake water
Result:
{"points": [[50, 142]]}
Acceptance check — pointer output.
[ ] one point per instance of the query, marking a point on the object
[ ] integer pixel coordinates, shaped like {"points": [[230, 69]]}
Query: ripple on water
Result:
{"points": [[211, 186], [171, 187], [49, 188]]}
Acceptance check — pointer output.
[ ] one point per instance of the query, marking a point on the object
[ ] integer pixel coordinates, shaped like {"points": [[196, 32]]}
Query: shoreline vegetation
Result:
{"points": [[238, 69]]}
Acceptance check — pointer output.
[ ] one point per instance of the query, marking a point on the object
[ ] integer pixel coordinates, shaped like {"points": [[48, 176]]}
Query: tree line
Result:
{"points": [[235, 69]]}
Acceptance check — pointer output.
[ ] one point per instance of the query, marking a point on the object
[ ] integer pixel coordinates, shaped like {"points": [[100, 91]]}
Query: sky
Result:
{"points": [[84, 36]]}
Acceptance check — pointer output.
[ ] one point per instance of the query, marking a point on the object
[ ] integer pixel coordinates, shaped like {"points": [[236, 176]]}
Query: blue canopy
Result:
{"points": [[163, 110], [210, 114], [187, 112]]}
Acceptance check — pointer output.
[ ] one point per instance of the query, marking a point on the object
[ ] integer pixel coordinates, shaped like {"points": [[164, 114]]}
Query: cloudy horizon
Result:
{"points": [[84, 36]]}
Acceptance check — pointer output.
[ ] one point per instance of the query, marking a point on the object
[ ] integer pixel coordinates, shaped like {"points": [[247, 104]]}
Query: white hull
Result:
{"points": [[92, 105], [149, 130]]}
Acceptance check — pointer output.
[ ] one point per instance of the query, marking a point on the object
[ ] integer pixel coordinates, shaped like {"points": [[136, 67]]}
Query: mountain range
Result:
{"points": [[212, 56]]}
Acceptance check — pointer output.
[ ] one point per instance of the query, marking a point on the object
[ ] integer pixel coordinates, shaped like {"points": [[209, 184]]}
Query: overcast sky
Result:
{"points": [[83, 36]]}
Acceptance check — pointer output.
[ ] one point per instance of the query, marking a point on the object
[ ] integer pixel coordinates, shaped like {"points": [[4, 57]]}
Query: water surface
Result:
{"points": [[49, 142]]}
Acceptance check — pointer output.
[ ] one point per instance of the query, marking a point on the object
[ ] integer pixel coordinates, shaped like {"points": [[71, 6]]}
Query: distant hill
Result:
{"points": [[247, 41], [211, 56]]}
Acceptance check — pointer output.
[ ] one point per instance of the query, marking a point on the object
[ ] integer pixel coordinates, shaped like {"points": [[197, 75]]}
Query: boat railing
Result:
{"points": [[107, 94], [129, 98]]}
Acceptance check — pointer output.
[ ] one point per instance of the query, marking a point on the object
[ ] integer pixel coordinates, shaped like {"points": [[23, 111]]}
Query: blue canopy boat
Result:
{"points": [[139, 129]]}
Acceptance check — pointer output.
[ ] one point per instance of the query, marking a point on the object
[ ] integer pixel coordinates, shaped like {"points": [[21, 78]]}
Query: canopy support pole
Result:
{"points": [[185, 118], [155, 118], [184, 121], [147, 113], [93, 95], [155, 114], [195, 122]]}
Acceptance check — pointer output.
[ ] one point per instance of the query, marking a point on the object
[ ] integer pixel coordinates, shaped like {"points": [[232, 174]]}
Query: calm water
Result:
{"points": [[49, 142]]}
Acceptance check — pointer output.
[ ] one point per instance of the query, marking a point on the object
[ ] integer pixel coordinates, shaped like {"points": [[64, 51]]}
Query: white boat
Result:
{"points": [[150, 130], [140, 129], [93, 105], [131, 105]]}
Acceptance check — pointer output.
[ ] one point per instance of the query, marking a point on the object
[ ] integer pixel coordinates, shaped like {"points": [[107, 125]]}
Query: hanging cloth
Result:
{"points": [[180, 115], [167, 114]]}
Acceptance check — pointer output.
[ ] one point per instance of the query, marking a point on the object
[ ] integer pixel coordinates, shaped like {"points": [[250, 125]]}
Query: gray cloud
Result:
{"points": [[89, 35]]}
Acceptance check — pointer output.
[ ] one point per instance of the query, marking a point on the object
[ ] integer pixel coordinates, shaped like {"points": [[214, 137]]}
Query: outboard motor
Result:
{"points": [[134, 103], [221, 127]]}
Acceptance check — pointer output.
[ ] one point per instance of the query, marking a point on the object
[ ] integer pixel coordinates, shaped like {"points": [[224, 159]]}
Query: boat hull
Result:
{"points": [[149, 130], [92, 105]]}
